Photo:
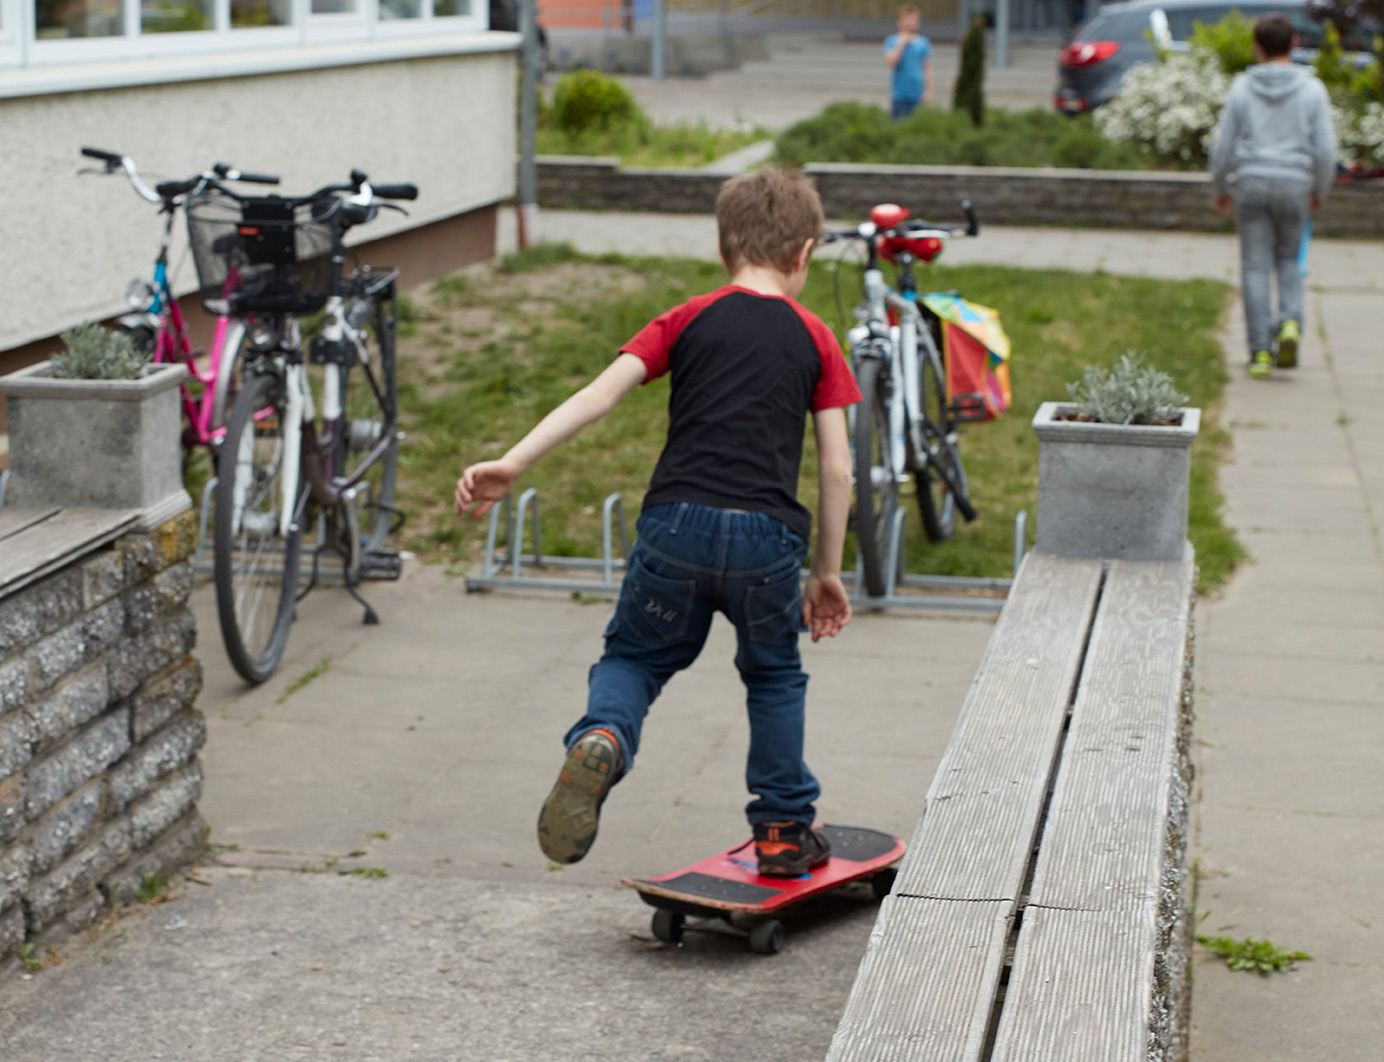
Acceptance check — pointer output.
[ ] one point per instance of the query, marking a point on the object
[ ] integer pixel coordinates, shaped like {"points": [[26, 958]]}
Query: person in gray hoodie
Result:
{"points": [[1276, 137]]}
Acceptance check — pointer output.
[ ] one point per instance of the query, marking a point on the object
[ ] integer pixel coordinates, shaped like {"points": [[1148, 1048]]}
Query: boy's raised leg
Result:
{"points": [[642, 653]]}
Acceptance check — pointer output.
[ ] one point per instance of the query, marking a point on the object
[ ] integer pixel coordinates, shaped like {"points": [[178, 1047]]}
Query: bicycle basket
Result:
{"points": [[261, 255]]}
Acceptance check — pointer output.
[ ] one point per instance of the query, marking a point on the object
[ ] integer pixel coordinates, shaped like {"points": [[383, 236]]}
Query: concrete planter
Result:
{"points": [[99, 444], [1112, 490]]}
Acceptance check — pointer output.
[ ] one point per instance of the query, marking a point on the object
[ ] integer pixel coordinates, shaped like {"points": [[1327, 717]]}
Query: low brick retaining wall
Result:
{"points": [[1090, 198], [99, 777]]}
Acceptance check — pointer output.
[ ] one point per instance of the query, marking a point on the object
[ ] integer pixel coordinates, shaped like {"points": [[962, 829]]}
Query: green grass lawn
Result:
{"points": [[493, 353]]}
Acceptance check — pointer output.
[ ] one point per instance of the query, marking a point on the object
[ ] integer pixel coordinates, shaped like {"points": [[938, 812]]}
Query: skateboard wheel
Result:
{"points": [[767, 937], [668, 926], [883, 883]]}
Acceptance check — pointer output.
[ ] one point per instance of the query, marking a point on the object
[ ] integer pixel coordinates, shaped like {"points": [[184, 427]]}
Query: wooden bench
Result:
{"points": [[1039, 915]]}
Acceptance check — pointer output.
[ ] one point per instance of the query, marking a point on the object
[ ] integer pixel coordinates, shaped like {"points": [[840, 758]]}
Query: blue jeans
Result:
{"points": [[902, 108], [690, 562]]}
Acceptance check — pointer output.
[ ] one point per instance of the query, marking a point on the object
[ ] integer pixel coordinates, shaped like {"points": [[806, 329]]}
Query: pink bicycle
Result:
{"points": [[157, 323]]}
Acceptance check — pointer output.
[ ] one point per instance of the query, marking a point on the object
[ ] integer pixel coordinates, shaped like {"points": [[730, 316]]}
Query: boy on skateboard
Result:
{"points": [[721, 527], [1276, 136]]}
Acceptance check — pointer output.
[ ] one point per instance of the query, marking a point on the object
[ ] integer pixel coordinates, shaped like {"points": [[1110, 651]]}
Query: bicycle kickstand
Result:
{"points": [[371, 619]]}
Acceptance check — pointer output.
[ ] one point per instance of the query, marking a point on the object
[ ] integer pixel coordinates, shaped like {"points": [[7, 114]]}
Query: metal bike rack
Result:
{"points": [[510, 567], [513, 559], [202, 563]]}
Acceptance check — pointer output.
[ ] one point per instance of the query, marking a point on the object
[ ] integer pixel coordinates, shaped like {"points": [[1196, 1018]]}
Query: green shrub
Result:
{"points": [[855, 132], [94, 352], [587, 100], [969, 95], [1231, 40]]}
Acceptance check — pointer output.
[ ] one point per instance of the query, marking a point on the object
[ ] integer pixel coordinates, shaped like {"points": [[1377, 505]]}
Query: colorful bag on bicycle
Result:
{"points": [[976, 352]]}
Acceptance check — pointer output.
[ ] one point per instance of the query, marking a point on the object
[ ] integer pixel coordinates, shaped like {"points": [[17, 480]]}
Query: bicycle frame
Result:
{"points": [[206, 414]]}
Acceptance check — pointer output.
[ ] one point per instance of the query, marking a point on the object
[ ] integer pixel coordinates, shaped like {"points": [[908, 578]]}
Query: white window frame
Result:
{"points": [[19, 46], [14, 31]]}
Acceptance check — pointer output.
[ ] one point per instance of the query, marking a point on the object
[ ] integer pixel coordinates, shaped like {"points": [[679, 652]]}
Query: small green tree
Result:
{"points": [[1231, 40], [589, 101], [969, 95]]}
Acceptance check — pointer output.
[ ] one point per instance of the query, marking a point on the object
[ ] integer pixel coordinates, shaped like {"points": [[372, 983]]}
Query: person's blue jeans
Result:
{"points": [[902, 108], [692, 561]]}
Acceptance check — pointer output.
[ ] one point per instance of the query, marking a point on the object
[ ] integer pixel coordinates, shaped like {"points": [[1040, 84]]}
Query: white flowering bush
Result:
{"points": [[1168, 108], [1360, 132]]}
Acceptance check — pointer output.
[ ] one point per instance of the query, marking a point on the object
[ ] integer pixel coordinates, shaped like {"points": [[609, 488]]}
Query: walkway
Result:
{"points": [[804, 74], [439, 728]]}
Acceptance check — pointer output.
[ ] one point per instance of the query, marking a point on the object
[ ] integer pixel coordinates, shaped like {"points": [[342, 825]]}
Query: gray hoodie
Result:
{"points": [[1276, 123]]}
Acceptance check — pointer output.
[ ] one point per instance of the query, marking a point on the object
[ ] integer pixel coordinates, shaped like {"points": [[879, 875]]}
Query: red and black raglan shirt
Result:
{"points": [[746, 369]]}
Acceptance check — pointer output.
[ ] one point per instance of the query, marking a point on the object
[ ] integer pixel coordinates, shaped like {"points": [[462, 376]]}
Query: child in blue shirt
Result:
{"points": [[910, 55]]}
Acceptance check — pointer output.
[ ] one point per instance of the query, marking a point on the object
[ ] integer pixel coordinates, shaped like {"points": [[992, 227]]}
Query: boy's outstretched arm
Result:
{"points": [[486, 483], [826, 606]]}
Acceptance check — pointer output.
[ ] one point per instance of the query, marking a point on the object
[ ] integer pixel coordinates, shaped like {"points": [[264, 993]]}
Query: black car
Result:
{"points": [[1090, 69]]}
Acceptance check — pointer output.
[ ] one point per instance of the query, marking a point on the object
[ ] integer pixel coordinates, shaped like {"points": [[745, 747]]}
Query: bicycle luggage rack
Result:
{"points": [[509, 567]]}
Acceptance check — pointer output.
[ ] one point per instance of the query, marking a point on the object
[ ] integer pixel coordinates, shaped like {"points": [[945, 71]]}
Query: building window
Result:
{"points": [[391, 9], [246, 14], [451, 8], [333, 7], [175, 16], [57, 20]]}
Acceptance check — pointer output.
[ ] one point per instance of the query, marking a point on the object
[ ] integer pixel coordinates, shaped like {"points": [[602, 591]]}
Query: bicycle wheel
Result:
{"points": [[256, 566], [876, 485], [936, 503]]}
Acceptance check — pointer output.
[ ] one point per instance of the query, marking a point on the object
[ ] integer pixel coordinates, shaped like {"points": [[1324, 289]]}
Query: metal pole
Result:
{"points": [[660, 40], [963, 20], [528, 124], [1001, 34]]}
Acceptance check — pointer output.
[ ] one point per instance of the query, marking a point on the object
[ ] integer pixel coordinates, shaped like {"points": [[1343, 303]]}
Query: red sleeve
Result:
{"points": [[652, 343], [836, 385]]}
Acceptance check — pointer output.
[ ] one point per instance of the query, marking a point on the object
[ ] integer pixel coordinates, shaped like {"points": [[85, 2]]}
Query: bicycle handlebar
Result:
{"points": [[869, 232], [167, 191]]}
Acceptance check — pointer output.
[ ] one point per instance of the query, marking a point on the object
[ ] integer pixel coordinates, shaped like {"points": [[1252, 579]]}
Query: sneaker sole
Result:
{"points": [[1261, 372], [571, 814]]}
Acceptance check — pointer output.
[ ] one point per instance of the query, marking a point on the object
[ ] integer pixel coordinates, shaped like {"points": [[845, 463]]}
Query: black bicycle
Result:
{"points": [[281, 262]]}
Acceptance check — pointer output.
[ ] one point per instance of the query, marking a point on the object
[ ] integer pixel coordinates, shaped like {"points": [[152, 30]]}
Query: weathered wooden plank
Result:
{"points": [[13, 520], [984, 805], [1083, 984], [1102, 846], [926, 986], [59, 540], [1078, 991]]}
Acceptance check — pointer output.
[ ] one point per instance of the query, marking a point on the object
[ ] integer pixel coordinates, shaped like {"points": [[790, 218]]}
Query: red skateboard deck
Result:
{"points": [[729, 883]]}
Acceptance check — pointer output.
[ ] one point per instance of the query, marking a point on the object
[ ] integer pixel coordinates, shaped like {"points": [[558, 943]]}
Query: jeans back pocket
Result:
{"points": [[774, 607], [654, 607]]}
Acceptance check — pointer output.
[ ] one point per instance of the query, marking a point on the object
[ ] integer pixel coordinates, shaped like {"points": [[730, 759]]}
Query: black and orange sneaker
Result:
{"points": [[567, 824], [789, 849]]}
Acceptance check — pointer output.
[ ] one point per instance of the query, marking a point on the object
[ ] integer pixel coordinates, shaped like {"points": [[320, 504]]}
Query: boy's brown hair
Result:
{"points": [[908, 9], [763, 218], [1274, 35]]}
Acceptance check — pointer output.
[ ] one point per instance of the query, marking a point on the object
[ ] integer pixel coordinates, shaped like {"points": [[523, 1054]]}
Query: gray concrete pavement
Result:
{"points": [[805, 74], [441, 728]]}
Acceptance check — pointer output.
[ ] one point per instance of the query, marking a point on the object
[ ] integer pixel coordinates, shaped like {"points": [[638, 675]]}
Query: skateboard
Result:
{"points": [[728, 887]]}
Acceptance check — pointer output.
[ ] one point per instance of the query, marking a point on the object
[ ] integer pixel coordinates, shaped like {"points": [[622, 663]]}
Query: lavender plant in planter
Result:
{"points": [[1113, 466], [97, 427]]}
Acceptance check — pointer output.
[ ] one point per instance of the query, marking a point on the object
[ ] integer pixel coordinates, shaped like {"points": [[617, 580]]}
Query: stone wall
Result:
{"points": [[1089, 198], [99, 777]]}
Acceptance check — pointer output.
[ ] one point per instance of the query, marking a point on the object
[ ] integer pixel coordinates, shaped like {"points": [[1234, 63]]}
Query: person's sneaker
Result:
{"points": [[567, 824], [789, 849], [1288, 337], [1261, 365]]}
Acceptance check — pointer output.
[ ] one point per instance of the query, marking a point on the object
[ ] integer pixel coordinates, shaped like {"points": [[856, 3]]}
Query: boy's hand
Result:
{"points": [[1223, 204], [826, 606], [484, 484]]}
